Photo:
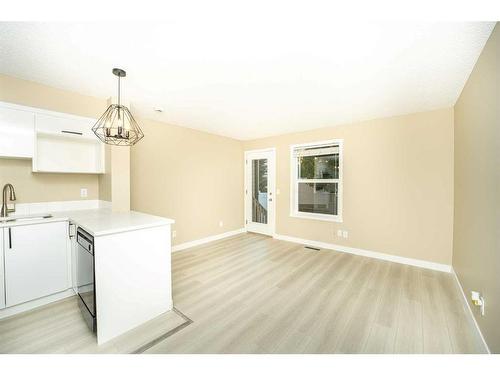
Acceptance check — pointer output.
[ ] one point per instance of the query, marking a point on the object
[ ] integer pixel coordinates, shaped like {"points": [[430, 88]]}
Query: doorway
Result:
{"points": [[260, 184]]}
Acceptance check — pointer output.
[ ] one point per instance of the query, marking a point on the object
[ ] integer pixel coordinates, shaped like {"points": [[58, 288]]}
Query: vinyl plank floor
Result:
{"points": [[59, 328], [254, 294]]}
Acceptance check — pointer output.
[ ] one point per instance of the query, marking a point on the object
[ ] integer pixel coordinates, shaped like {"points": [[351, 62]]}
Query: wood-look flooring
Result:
{"points": [[59, 328], [254, 294]]}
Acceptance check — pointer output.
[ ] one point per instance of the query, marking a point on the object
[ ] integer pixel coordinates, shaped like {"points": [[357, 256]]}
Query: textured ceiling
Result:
{"points": [[247, 79]]}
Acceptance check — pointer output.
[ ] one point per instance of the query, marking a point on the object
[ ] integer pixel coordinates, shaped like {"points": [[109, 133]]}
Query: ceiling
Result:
{"points": [[246, 78]]}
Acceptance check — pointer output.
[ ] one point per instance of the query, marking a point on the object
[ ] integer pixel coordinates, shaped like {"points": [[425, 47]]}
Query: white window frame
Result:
{"points": [[294, 183]]}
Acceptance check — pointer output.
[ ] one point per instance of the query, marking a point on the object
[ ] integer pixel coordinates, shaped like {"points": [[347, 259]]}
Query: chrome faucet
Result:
{"points": [[5, 210]]}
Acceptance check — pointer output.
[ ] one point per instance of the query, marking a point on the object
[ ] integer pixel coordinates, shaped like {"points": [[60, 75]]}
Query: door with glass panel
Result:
{"points": [[259, 191]]}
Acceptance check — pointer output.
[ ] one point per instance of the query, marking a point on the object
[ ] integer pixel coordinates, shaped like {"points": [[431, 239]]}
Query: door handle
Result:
{"points": [[10, 238]]}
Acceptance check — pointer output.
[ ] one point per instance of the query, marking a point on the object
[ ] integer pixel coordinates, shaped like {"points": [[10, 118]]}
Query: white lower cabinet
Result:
{"points": [[36, 261], [2, 288]]}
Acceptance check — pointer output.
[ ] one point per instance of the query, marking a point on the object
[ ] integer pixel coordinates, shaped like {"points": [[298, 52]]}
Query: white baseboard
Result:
{"points": [[367, 253], [201, 241], [30, 305], [470, 310]]}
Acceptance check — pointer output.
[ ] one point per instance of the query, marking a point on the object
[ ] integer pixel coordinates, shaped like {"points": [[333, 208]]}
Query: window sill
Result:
{"points": [[310, 216]]}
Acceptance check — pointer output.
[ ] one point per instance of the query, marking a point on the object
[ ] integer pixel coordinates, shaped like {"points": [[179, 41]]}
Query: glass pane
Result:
{"points": [[318, 198], [320, 167], [259, 191]]}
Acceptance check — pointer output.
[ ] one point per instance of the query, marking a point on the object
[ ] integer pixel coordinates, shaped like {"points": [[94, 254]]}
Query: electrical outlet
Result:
{"points": [[478, 301], [174, 233], [83, 192], [277, 191], [221, 223], [339, 233], [345, 234]]}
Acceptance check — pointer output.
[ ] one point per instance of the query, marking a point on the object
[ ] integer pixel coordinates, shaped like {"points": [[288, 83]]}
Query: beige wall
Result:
{"points": [[476, 241], [43, 187], [120, 178], [398, 185], [105, 179], [193, 177]]}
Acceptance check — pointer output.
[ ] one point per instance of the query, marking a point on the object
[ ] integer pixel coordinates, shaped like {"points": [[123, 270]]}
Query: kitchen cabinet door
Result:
{"points": [[17, 130], [36, 263], [74, 258], [2, 287], [80, 127]]}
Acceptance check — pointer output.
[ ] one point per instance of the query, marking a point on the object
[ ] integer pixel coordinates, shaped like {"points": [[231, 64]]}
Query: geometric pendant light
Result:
{"points": [[117, 126]]}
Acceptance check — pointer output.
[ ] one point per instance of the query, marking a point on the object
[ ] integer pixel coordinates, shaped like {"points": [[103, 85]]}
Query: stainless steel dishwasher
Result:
{"points": [[85, 281]]}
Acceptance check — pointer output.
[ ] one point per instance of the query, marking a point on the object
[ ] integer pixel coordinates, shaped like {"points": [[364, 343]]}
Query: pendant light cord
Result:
{"points": [[119, 90]]}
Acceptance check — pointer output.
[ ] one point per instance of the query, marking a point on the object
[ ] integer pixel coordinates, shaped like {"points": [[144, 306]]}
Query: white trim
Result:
{"points": [[294, 197], [30, 305], [470, 310], [314, 216], [270, 227], [368, 253], [202, 241]]}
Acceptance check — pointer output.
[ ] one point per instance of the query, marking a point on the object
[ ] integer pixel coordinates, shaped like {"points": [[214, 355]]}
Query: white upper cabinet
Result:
{"points": [[16, 133], [78, 127], [56, 142], [66, 144]]}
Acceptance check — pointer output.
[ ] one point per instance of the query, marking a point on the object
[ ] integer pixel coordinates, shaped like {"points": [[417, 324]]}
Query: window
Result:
{"points": [[316, 186], [259, 191]]}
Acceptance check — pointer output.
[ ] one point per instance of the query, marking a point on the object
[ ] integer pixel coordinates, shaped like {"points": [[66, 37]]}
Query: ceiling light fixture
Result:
{"points": [[117, 126]]}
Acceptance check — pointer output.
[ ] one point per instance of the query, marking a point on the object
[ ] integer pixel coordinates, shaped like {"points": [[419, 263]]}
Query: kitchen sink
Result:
{"points": [[24, 218]]}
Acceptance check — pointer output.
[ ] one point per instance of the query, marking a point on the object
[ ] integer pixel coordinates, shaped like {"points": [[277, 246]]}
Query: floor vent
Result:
{"points": [[312, 248]]}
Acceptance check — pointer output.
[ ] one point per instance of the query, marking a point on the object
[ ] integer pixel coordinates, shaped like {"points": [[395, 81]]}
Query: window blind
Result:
{"points": [[316, 150]]}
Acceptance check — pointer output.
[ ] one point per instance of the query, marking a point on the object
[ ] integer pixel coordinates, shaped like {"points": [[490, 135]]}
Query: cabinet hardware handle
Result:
{"points": [[10, 239], [70, 132], [70, 227]]}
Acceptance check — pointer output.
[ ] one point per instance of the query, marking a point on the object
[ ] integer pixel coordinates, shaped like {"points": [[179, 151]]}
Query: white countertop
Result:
{"points": [[99, 222]]}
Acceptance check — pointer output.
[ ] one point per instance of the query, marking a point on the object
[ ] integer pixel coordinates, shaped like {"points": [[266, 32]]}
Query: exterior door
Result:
{"points": [[260, 191]]}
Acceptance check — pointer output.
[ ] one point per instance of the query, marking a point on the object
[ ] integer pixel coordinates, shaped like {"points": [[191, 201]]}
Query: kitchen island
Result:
{"points": [[131, 263]]}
